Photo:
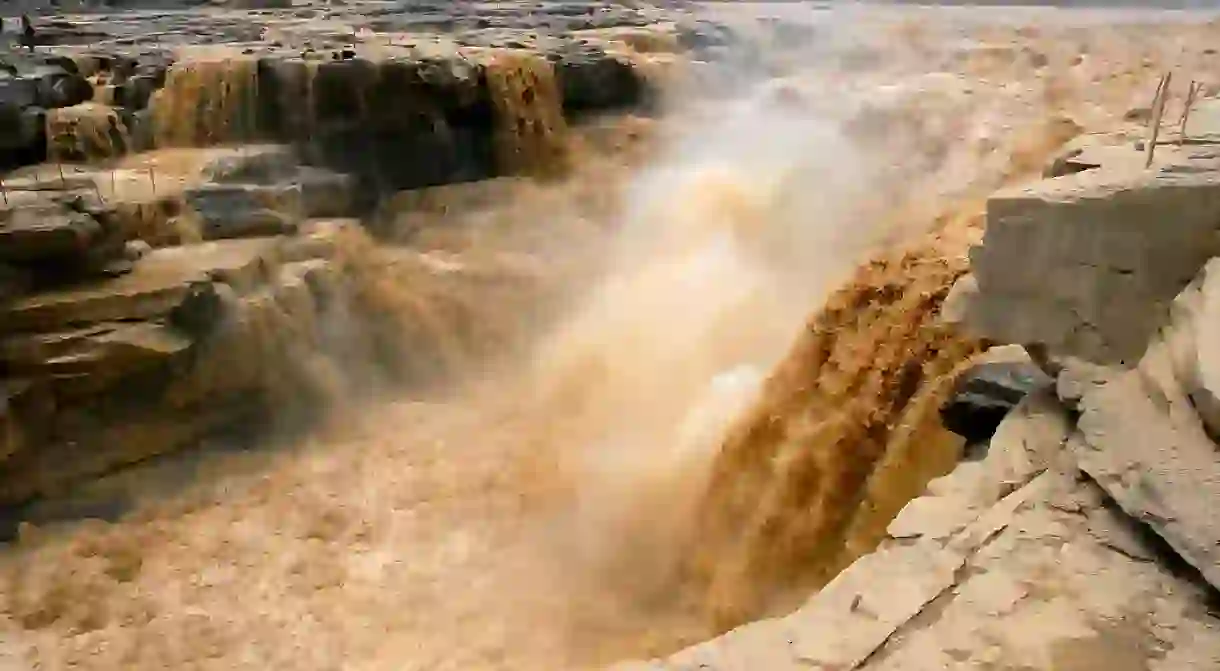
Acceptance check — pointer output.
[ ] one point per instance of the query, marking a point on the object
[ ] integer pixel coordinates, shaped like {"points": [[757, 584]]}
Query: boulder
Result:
{"points": [[85, 133], [590, 79], [55, 86], [257, 164], [243, 210], [1088, 263], [21, 122], [135, 92], [48, 230], [53, 237], [17, 92]]}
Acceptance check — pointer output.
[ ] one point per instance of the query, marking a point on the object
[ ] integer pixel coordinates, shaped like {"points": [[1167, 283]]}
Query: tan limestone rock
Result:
{"points": [[85, 133]]}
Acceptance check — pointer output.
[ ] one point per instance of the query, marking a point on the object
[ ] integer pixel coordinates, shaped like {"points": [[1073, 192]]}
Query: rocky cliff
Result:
{"points": [[1079, 535]]}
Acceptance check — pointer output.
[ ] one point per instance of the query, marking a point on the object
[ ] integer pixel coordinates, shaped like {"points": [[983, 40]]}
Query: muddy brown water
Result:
{"points": [[729, 409]]}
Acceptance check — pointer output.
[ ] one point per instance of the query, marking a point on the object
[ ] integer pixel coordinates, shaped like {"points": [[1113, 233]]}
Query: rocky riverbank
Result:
{"points": [[1080, 534], [171, 213], [285, 227]]}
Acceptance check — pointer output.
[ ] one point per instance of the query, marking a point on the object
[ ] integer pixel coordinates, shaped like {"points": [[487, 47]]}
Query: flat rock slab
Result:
{"points": [[29, 234], [161, 281], [101, 352], [243, 210], [1088, 263]]}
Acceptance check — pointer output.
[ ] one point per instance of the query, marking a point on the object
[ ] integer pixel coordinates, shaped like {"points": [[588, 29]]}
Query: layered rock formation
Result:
{"points": [[149, 299], [355, 96]]}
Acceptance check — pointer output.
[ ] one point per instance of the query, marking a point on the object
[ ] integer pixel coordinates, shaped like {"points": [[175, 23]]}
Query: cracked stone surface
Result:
{"points": [[1088, 263], [1038, 570], [1146, 442]]}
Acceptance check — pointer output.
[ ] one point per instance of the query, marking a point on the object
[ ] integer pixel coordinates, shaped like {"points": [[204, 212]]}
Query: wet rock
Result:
{"points": [[357, 116], [24, 408], [957, 303], [134, 250], [56, 87], [698, 35], [589, 78], [103, 353], [29, 234], [258, 164], [17, 92], [326, 194], [90, 439], [85, 133], [140, 130], [244, 210], [21, 123], [191, 341], [160, 283], [1028, 441], [12, 433], [985, 394], [135, 92]]}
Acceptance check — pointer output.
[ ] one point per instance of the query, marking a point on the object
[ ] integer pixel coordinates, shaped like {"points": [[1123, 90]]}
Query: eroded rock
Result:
{"points": [[85, 133], [1145, 442], [1088, 263], [191, 341], [166, 280], [243, 210], [985, 394]]}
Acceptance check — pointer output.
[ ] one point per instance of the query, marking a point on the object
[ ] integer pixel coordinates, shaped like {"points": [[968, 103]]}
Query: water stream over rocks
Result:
{"points": [[673, 390]]}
